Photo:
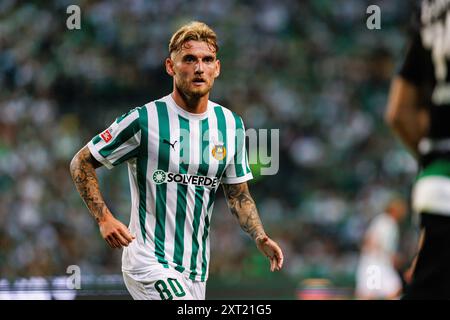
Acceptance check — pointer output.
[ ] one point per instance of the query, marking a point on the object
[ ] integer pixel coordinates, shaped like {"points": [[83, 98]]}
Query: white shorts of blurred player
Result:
{"points": [[163, 284], [377, 279]]}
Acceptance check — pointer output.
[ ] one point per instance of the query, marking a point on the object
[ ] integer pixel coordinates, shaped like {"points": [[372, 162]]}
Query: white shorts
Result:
{"points": [[163, 284], [377, 280]]}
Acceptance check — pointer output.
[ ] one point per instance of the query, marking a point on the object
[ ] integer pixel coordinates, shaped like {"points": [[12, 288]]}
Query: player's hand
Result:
{"points": [[115, 233], [271, 250]]}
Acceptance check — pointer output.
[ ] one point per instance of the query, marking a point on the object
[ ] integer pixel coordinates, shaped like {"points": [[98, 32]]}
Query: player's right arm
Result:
{"points": [[404, 115], [82, 169]]}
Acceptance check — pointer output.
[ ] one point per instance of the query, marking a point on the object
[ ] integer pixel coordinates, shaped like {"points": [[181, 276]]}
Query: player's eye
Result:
{"points": [[208, 59], [189, 59]]}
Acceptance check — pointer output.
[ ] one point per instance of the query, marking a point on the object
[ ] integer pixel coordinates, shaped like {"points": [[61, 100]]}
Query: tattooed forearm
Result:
{"points": [[243, 207], [82, 169]]}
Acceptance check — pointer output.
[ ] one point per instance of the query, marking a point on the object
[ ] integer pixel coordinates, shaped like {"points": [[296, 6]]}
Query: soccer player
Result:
{"points": [[419, 113], [178, 149], [376, 276]]}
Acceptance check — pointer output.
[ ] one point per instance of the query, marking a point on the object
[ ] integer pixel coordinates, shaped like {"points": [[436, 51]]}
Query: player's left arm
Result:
{"points": [[243, 207]]}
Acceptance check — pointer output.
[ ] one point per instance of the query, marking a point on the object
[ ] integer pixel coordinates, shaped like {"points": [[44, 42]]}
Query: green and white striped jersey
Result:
{"points": [[176, 161]]}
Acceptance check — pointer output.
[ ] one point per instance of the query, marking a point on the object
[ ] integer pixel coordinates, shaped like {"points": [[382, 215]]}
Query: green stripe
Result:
{"points": [[212, 196], [122, 137], [199, 191], [96, 139], [204, 145], [247, 167], [238, 155], [141, 169], [197, 213], [161, 189], [436, 168], [222, 127], [180, 216]]}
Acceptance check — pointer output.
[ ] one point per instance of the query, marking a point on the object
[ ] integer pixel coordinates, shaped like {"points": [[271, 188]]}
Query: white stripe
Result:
{"points": [[171, 195], [134, 190], [153, 143], [231, 146], [213, 138], [244, 159], [129, 258], [125, 148], [432, 194]]}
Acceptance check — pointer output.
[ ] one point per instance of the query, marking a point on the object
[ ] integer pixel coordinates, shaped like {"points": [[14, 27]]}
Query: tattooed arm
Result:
{"points": [[243, 207], [82, 169]]}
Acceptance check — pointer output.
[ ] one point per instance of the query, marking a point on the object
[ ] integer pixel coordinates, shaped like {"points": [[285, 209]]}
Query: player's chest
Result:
{"points": [[189, 148]]}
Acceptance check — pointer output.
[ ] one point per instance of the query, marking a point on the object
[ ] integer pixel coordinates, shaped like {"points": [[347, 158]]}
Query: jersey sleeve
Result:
{"points": [[417, 67], [415, 62], [238, 170], [118, 143]]}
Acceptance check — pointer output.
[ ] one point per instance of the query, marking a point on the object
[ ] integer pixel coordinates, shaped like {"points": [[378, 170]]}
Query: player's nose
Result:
{"points": [[199, 67]]}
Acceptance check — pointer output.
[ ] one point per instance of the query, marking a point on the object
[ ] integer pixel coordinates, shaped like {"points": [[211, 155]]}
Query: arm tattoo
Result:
{"points": [[82, 169], [242, 206]]}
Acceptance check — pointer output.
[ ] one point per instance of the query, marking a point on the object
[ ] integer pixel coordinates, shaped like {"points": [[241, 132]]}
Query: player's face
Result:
{"points": [[194, 68], [400, 209]]}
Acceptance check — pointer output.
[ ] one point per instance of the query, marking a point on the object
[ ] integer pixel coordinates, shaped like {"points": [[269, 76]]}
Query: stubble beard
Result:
{"points": [[192, 94]]}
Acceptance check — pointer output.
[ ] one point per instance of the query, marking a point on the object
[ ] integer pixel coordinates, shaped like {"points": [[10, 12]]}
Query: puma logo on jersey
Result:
{"points": [[171, 144]]}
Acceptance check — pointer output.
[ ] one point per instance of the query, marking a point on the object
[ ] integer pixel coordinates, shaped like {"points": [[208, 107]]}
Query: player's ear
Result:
{"points": [[169, 66], [217, 73]]}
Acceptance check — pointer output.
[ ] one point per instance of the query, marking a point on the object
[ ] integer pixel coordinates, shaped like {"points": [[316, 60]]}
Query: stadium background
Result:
{"points": [[310, 68]]}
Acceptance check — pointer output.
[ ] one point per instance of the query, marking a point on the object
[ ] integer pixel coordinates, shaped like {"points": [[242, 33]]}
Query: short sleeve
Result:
{"points": [[416, 62], [417, 66], [118, 143], [238, 170]]}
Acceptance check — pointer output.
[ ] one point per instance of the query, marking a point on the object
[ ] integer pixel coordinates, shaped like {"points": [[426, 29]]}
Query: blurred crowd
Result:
{"points": [[309, 68]]}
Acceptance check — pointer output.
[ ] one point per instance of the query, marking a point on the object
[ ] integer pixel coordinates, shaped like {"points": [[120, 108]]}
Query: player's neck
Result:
{"points": [[190, 104]]}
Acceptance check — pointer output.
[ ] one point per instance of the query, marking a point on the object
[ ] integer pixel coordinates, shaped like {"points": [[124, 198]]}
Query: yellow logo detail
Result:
{"points": [[219, 152]]}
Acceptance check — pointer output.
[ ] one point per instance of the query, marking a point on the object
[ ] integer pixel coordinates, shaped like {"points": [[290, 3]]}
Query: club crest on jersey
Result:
{"points": [[219, 151], [106, 135], [159, 176]]}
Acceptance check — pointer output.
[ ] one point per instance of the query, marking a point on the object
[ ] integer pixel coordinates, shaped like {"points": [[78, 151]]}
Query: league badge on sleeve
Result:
{"points": [[106, 135]]}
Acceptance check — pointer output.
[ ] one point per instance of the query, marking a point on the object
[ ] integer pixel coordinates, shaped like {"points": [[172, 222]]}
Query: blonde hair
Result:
{"points": [[195, 30]]}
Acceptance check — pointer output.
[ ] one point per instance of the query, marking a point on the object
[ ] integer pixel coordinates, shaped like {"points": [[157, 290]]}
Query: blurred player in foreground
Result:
{"points": [[419, 113], [377, 277], [178, 149]]}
